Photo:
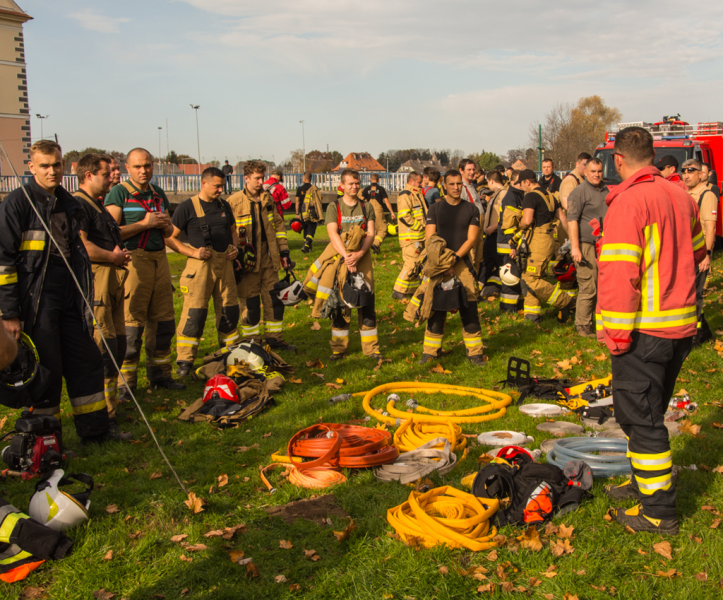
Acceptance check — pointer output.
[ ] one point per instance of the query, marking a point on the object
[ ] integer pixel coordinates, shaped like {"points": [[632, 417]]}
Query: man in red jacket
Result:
{"points": [[278, 192], [668, 167], [646, 316]]}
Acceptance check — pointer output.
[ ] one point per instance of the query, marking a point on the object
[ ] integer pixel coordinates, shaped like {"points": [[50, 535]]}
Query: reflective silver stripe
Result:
{"points": [[368, 333], [13, 550], [651, 461], [609, 252], [654, 486], [89, 399], [6, 510], [33, 234], [8, 270], [649, 320]]}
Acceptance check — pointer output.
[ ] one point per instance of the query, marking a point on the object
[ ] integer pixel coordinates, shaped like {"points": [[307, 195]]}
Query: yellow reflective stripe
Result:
{"points": [[473, 342], [250, 330], [532, 309], [415, 301], [8, 279], [509, 231], [226, 339], [186, 341], [281, 234], [621, 252], [555, 294], [9, 522], [32, 245], [508, 299], [323, 292], [650, 283], [19, 556], [503, 249], [433, 342], [648, 486], [339, 335], [89, 408], [698, 241], [315, 267], [644, 320], [313, 284], [377, 240], [129, 368], [273, 326], [512, 208], [369, 335], [401, 213], [651, 462]]}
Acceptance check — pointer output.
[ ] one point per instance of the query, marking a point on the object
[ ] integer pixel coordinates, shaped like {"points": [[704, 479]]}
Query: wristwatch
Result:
{"points": [[710, 252], [457, 258]]}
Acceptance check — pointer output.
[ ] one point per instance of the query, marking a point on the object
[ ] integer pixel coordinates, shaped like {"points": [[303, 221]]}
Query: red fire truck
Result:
{"points": [[676, 137]]}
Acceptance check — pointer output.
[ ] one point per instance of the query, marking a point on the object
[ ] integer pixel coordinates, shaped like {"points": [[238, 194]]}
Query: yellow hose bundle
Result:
{"points": [[493, 406], [413, 434], [448, 516]]}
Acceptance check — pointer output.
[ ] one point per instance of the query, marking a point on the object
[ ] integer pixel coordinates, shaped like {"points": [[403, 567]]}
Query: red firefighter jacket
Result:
{"points": [[675, 178], [278, 192], [651, 245]]}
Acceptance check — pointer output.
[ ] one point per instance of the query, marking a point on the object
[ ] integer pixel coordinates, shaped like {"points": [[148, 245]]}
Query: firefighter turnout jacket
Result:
{"points": [[279, 194], [261, 227], [412, 221], [25, 544], [35, 287], [109, 282], [653, 241], [508, 226]]}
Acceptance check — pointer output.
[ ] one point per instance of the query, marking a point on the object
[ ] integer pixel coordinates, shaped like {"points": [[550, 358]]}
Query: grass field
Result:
{"points": [[128, 552]]}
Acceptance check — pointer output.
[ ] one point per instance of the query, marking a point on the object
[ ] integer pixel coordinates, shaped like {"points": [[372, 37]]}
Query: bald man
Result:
{"points": [[141, 210]]}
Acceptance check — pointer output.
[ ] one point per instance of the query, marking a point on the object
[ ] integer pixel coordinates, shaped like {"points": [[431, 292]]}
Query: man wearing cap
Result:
{"points": [[707, 204], [668, 167], [585, 203], [541, 215]]}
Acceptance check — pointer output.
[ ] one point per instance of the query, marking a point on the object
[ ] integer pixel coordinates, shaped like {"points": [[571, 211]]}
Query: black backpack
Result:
{"points": [[536, 491]]}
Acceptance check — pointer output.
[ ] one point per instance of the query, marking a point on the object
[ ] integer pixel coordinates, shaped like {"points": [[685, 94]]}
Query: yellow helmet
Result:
{"points": [[392, 229]]}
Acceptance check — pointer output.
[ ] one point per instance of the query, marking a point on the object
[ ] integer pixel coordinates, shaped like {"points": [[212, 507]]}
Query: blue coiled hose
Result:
{"points": [[582, 448]]}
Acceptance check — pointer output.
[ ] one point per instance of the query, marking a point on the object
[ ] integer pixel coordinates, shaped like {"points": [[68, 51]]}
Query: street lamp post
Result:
{"points": [[41, 117], [303, 143], [198, 142], [159, 150]]}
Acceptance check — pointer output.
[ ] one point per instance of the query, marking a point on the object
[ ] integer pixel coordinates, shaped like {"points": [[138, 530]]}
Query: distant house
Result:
{"points": [[519, 165], [361, 161], [420, 165], [192, 169]]}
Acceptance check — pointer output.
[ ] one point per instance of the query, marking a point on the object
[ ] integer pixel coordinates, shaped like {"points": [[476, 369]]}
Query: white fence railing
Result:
{"points": [[181, 184]]}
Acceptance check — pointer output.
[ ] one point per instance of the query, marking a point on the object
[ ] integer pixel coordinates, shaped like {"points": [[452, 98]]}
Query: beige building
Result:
{"points": [[14, 112]]}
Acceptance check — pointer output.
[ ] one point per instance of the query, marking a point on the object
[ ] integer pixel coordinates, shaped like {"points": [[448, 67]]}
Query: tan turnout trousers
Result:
{"points": [[539, 290], [109, 312], [254, 291], [471, 330], [149, 308], [366, 315], [201, 281]]}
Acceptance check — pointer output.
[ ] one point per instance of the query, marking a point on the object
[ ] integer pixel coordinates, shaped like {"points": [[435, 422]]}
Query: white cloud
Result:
{"points": [[95, 22], [533, 37]]}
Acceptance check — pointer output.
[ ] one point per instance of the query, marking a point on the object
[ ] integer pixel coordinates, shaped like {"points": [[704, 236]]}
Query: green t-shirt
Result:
{"points": [[133, 212], [350, 215]]}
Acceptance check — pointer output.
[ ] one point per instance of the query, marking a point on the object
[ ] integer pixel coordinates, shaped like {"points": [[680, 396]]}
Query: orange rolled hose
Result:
{"points": [[314, 478]]}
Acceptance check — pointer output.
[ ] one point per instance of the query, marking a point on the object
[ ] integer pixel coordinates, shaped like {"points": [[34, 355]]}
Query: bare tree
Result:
{"points": [[570, 129]]}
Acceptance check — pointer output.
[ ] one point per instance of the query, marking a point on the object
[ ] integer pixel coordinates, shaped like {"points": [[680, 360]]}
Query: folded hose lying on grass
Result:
{"points": [[448, 516], [582, 448], [415, 464], [330, 447], [493, 406], [413, 434]]}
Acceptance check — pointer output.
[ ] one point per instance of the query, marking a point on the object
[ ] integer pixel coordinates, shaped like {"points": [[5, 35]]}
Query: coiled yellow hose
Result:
{"points": [[448, 516], [413, 434], [493, 401]]}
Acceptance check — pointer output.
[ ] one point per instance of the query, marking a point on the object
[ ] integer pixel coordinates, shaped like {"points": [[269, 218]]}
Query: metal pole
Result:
{"points": [[168, 148], [198, 139], [41, 117], [303, 143], [539, 148], [159, 150]]}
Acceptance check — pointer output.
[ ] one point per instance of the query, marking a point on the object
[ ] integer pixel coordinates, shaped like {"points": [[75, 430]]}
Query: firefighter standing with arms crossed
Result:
{"points": [[208, 223], [411, 220], [646, 317], [141, 210], [261, 233], [39, 297], [540, 214], [108, 255]]}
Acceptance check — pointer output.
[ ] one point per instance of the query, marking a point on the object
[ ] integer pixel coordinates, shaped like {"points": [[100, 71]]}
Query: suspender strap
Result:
{"points": [[82, 194], [201, 216], [364, 214], [112, 225], [156, 206], [547, 200]]}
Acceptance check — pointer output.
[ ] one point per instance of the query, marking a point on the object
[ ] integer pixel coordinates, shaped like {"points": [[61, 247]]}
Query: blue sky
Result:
{"points": [[365, 76]]}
